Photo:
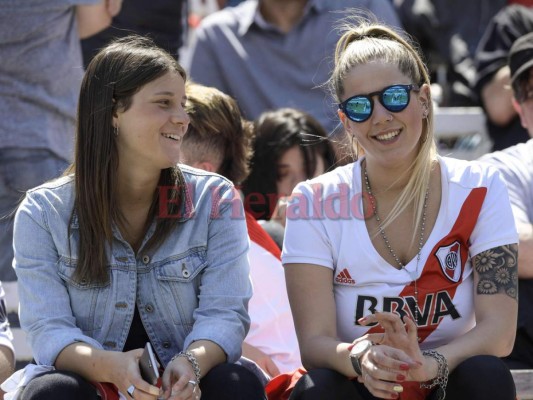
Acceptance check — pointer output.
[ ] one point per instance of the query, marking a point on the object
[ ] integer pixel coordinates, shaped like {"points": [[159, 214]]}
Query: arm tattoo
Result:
{"points": [[498, 270]]}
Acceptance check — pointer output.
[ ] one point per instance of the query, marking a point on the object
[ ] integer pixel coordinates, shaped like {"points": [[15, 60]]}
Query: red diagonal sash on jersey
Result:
{"points": [[434, 278], [261, 237]]}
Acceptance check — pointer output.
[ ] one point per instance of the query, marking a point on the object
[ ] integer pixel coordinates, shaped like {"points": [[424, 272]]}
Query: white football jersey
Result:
{"points": [[325, 227]]}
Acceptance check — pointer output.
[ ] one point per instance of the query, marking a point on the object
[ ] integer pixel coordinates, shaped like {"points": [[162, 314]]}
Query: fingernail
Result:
{"points": [[398, 388], [362, 319], [404, 367], [400, 377]]}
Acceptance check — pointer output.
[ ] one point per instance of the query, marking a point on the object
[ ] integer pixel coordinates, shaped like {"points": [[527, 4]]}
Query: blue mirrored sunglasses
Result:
{"points": [[394, 98]]}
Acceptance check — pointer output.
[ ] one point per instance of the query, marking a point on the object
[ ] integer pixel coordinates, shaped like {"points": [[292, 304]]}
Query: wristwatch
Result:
{"points": [[357, 352]]}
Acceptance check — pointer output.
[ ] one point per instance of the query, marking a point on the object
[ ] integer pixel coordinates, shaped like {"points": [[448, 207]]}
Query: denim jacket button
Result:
{"points": [[149, 308], [166, 345], [185, 273], [146, 259], [83, 282]]}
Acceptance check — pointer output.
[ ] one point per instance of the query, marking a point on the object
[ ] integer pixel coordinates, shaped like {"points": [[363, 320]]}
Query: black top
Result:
{"points": [[137, 336]]}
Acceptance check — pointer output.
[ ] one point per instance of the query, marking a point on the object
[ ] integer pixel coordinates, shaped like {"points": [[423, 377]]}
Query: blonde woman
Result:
{"points": [[401, 268]]}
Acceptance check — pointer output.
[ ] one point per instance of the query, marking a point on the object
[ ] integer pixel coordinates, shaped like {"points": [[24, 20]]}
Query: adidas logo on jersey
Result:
{"points": [[344, 277]]}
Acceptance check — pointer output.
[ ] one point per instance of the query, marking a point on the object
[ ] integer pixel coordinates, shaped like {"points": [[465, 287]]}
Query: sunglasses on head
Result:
{"points": [[394, 98]]}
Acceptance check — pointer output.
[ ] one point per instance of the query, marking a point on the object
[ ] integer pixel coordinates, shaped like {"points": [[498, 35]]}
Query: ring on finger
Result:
{"points": [[130, 390], [193, 383]]}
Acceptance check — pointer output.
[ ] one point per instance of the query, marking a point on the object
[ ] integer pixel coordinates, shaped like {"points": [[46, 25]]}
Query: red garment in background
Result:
{"points": [[260, 236], [280, 387], [107, 390], [527, 3]]}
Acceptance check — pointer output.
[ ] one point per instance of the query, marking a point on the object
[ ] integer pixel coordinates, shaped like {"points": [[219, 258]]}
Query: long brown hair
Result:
{"points": [[114, 75]]}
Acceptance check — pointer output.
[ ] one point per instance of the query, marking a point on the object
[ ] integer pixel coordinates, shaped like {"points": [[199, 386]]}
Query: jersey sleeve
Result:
{"points": [[495, 226], [306, 240]]}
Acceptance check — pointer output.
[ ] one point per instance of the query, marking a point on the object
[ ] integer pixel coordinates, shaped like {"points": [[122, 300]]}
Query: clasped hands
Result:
{"points": [[396, 357]]}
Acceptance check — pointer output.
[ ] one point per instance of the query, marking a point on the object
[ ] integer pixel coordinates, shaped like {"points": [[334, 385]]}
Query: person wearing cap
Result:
{"points": [[492, 82], [516, 166]]}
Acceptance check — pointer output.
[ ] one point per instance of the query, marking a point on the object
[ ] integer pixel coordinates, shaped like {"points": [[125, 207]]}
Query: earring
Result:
{"points": [[115, 131], [425, 113]]}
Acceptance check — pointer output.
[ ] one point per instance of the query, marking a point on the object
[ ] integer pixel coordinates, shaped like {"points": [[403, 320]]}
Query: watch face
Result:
{"points": [[361, 346], [357, 351]]}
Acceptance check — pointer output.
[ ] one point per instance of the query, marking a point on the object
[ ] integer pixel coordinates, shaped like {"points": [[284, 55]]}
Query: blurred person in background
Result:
{"points": [[40, 76], [289, 147], [7, 351], [516, 166], [219, 140], [492, 82], [163, 21], [269, 54], [448, 40]]}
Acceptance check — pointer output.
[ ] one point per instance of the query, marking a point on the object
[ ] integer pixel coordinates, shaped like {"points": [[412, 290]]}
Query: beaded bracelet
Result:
{"points": [[441, 380], [194, 362]]}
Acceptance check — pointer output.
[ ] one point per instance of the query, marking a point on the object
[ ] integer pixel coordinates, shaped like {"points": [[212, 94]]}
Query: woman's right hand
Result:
{"points": [[398, 334], [402, 335], [126, 373]]}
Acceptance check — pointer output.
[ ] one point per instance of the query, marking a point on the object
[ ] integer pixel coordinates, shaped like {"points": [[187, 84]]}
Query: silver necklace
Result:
{"points": [[414, 276]]}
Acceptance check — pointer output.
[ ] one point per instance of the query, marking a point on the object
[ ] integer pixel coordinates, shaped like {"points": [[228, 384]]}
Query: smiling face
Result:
{"points": [[390, 138], [151, 129]]}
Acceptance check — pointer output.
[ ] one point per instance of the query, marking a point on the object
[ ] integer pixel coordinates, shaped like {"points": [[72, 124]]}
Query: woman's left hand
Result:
{"points": [[384, 370], [179, 381]]}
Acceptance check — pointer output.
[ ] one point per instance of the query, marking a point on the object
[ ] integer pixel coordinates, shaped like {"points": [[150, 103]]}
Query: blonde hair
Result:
{"points": [[363, 42]]}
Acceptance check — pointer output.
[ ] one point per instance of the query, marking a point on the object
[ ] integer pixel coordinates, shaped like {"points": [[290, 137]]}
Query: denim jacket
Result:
{"points": [[194, 286]]}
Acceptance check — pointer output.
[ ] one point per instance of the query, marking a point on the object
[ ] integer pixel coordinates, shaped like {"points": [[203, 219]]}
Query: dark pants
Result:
{"points": [[223, 382], [477, 378]]}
